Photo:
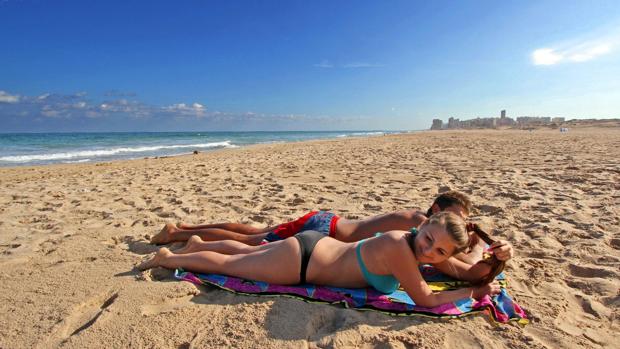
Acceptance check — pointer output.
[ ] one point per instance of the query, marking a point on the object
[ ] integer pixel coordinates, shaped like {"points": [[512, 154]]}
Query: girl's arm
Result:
{"points": [[404, 266], [355, 230], [399, 220], [463, 271]]}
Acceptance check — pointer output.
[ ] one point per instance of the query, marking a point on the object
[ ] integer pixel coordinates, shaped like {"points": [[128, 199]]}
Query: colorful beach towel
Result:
{"points": [[501, 308]]}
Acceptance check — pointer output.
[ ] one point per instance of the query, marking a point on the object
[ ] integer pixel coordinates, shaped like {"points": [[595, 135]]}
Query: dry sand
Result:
{"points": [[70, 236]]}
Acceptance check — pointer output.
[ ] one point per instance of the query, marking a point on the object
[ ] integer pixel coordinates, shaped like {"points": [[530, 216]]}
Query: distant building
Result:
{"points": [[533, 120], [454, 123], [437, 124], [558, 120], [502, 121], [482, 123]]}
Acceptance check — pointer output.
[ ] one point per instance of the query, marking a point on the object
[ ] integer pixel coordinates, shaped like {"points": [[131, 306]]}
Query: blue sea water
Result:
{"points": [[48, 148]]}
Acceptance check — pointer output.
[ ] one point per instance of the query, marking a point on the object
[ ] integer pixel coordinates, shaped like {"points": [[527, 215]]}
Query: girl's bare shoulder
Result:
{"points": [[397, 240], [396, 235]]}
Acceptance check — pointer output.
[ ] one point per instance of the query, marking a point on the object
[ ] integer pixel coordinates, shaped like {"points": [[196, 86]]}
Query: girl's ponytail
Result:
{"points": [[497, 266]]}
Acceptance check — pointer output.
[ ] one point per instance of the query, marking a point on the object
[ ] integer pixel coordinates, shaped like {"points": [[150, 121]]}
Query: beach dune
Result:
{"points": [[71, 234]]}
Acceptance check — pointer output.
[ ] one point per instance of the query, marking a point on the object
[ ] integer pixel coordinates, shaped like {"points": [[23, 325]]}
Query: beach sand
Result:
{"points": [[71, 234]]}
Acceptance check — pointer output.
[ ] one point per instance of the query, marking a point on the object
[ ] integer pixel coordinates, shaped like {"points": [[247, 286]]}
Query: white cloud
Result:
{"points": [[352, 65], [362, 65], [7, 98], [131, 108], [546, 56], [590, 53], [65, 108], [324, 64], [50, 111], [577, 51], [182, 109]]}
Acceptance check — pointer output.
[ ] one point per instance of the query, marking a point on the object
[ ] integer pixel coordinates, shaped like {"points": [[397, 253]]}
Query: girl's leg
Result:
{"points": [[170, 233], [245, 229], [279, 264], [196, 244]]}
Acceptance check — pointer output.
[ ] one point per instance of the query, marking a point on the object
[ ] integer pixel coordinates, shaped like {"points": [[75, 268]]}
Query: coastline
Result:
{"points": [[71, 233], [30, 149], [189, 154]]}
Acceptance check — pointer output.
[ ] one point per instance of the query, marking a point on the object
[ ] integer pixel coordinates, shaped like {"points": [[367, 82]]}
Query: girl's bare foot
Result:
{"points": [[182, 225], [165, 235], [191, 246], [156, 260]]}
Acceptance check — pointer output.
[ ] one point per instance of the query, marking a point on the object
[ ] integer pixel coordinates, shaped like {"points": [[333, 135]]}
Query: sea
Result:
{"points": [[26, 149]]}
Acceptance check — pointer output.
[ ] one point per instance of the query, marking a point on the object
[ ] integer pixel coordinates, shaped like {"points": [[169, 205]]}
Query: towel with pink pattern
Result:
{"points": [[501, 308]]}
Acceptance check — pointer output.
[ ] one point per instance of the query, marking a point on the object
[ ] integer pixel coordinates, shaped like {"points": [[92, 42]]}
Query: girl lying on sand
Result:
{"points": [[463, 265], [384, 262]]}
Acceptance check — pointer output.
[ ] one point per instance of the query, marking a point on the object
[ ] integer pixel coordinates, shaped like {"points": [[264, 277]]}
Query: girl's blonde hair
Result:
{"points": [[455, 226]]}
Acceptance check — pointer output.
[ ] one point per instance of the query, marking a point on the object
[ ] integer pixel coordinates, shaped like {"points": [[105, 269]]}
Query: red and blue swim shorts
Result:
{"points": [[321, 221]]}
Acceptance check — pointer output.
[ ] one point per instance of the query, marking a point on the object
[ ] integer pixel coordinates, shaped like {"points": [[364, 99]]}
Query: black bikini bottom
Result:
{"points": [[307, 241]]}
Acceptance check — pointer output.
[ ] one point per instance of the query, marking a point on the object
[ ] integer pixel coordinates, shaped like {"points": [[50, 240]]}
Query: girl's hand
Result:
{"points": [[490, 289], [502, 249]]}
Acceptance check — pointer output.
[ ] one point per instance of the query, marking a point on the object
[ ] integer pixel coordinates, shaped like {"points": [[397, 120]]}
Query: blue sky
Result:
{"points": [[302, 65]]}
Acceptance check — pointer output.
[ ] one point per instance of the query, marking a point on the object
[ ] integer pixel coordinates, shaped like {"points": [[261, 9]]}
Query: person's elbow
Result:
{"points": [[427, 301]]}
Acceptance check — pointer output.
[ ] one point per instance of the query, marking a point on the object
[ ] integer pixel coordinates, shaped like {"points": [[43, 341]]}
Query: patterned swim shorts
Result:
{"points": [[321, 221]]}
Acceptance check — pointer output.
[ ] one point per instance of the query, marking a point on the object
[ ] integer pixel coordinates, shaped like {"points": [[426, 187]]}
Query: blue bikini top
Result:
{"points": [[383, 283]]}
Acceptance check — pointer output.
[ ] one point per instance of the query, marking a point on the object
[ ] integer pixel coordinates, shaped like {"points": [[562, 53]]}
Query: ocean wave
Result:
{"points": [[361, 134], [367, 134], [76, 161], [110, 152]]}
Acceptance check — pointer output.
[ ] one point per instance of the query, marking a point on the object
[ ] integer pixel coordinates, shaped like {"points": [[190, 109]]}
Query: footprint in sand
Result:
{"points": [[295, 201], [258, 218], [594, 286], [615, 243], [489, 209], [169, 305], [370, 207], [593, 307], [313, 324], [322, 200], [159, 211], [133, 244], [536, 230], [155, 274], [84, 316], [8, 249], [591, 272]]}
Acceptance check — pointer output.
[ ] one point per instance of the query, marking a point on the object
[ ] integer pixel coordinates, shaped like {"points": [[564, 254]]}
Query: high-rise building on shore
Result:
{"points": [[437, 124]]}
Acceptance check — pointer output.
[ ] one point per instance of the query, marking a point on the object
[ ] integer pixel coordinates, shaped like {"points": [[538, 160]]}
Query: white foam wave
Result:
{"points": [[75, 161], [367, 134], [361, 134], [110, 152]]}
